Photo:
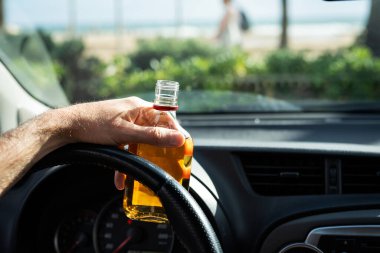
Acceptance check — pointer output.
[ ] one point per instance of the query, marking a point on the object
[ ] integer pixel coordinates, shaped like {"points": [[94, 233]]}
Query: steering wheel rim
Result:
{"points": [[189, 222]]}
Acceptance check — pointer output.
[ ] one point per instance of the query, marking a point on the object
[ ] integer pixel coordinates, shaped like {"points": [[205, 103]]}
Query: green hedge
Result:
{"points": [[347, 74]]}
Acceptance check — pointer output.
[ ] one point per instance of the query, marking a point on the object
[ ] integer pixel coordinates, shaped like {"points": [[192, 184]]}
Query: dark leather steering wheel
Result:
{"points": [[189, 222]]}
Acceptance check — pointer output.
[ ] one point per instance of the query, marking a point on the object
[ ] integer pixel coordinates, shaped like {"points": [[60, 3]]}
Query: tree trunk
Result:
{"points": [[1, 13], [372, 38], [178, 13], [72, 18], [119, 29], [284, 24]]}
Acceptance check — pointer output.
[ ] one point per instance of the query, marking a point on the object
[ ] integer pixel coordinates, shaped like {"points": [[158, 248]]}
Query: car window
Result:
{"points": [[243, 56], [26, 57]]}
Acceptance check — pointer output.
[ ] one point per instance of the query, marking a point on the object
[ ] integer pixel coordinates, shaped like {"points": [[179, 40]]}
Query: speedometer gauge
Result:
{"points": [[75, 233], [115, 233]]}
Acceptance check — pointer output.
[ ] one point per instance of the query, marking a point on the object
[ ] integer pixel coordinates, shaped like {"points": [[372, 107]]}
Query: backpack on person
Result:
{"points": [[244, 22]]}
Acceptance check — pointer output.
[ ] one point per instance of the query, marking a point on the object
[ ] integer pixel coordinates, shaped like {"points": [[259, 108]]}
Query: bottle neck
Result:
{"points": [[171, 110], [165, 107]]}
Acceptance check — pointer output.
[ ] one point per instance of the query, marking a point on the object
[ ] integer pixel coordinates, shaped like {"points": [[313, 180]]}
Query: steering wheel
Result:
{"points": [[189, 222]]}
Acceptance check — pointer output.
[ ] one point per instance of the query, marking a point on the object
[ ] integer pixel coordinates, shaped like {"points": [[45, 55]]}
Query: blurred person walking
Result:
{"points": [[229, 32]]}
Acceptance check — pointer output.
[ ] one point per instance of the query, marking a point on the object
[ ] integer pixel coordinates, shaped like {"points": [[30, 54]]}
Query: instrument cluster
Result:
{"points": [[110, 231]]}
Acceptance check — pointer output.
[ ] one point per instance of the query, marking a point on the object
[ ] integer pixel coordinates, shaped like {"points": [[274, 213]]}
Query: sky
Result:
{"points": [[102, 12]]}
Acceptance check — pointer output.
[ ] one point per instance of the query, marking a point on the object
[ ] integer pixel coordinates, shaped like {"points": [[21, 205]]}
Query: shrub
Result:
{"points": [[179, 50], [80, 76], [348, 74], [286, 61]]}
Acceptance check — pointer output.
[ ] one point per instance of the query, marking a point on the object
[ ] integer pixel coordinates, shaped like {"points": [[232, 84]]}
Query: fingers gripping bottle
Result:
{"points": [[139, 202]]}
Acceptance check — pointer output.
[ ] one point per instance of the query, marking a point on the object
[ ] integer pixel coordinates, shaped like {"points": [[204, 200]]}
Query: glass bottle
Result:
{"points": [[139, 202]]}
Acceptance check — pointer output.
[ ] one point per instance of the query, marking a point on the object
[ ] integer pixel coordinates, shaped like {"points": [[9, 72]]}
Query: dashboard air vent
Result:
{"points": [[283, 174], [360, 175]]}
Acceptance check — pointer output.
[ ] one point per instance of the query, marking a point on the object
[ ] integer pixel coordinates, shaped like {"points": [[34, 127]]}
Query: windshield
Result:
{"points": [[228, 56]]}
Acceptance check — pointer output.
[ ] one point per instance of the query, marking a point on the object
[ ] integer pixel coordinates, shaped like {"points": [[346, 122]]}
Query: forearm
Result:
{"points": [[112, 122], [24, 146]]}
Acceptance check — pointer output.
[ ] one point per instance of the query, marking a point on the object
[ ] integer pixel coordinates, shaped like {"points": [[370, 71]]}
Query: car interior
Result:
{"points": [[286, 126]]}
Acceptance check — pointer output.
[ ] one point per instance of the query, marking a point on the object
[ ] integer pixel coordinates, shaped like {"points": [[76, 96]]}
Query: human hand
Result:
{"points": [[120, 122]]}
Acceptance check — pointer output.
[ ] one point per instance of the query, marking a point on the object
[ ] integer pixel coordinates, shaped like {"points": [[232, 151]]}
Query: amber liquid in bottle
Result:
{"points": [[140, 203]]}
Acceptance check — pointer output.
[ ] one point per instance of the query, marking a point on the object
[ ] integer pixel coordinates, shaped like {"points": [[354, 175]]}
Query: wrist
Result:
{"points": [[55, 127], [71, 123]]}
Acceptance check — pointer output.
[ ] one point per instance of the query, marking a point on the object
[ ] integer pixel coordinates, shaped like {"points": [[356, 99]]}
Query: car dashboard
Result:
{"points": [[268, 183]]}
